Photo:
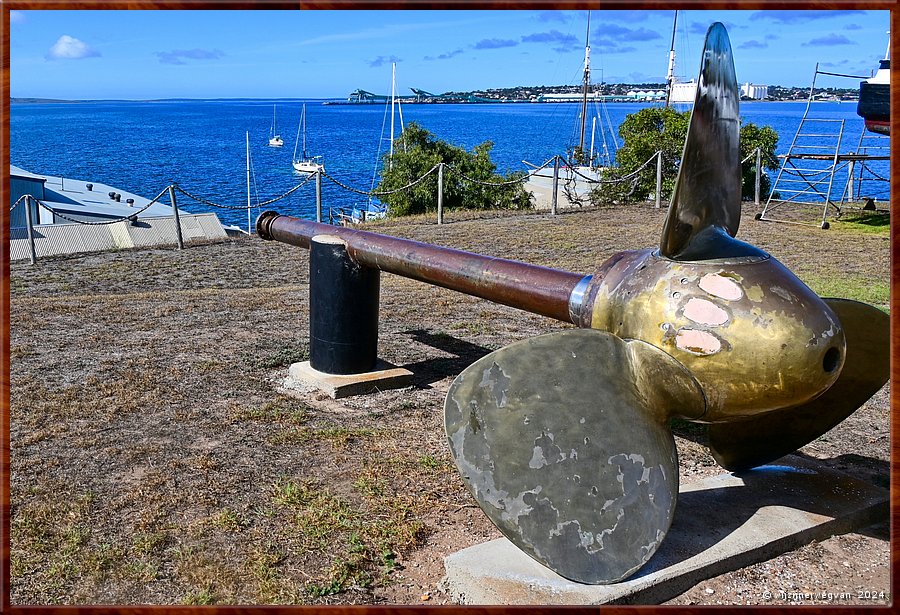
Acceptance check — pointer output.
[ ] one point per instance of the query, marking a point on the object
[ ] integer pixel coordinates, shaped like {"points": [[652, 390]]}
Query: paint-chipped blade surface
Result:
{"points": [[563, 440], [706, 203], [747, 444]]}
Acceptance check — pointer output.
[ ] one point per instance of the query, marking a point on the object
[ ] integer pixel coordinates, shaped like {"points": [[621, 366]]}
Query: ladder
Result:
{"points": [[807, 172]]}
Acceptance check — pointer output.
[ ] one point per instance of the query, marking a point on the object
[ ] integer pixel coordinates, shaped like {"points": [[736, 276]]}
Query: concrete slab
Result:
{"points": [[721, 524], [384, 376]]}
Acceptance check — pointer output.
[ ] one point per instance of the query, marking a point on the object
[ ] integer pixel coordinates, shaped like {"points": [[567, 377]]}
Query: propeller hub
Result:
{"points": [[756, 338]]}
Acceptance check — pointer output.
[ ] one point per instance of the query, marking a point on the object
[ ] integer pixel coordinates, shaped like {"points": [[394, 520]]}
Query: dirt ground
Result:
{"points": [[157, 458]]}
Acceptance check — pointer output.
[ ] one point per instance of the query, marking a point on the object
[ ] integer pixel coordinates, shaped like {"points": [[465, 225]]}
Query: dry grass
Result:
{"points": [[155, 459]]}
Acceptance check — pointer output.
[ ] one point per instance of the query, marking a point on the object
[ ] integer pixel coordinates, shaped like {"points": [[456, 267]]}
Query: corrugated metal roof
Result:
{"points": [[75, 192], [99, 211], [15, 171], [161, 231], [71, 196]]}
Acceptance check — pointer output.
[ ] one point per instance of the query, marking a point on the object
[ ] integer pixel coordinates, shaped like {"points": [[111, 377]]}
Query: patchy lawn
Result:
{"points": [[156, 459]]}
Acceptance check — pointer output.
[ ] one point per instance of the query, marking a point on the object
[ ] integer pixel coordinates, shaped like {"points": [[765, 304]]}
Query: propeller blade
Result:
{"points": [[747, 444], [706, 204], [563, 440]]}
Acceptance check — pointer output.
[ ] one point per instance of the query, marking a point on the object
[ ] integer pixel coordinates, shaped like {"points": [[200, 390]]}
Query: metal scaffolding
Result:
{"points": [[811, 173]]}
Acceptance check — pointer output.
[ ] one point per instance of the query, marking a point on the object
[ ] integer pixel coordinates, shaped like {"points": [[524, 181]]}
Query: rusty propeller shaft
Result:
{"points": [[541, 290]]}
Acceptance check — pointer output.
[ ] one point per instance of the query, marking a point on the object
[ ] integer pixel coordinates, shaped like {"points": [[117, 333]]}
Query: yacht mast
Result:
{"points": [[303, 121], [297, 139], [670, 75], [393, 89], [587, 83]]}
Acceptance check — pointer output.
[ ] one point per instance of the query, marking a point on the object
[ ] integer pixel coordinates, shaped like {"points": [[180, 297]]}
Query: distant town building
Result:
{"points": [[756, 92], [647, 94]]}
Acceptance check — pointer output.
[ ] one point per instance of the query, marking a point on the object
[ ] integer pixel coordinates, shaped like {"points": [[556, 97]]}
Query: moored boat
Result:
{"points": [[875, 98], [373, 209], [305, 163], [275, 139], [582, 167]]}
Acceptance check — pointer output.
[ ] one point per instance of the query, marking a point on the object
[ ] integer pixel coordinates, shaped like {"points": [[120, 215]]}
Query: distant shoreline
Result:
{"points": [[334, 101], [26, 100]]}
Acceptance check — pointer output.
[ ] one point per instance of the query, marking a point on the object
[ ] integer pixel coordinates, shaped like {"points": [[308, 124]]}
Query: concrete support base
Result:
{"points": [[384, 376], [721, 524]]}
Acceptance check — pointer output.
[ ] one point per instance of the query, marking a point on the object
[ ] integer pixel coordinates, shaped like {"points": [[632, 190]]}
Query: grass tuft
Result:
{"points": [[362, 539], [282, 409], [850, 286], [863, 222], [274, 353], [201, 597], [227, 520]]}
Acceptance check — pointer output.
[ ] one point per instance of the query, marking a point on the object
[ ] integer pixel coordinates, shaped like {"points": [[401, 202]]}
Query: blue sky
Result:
{"points": [[323, 54]]}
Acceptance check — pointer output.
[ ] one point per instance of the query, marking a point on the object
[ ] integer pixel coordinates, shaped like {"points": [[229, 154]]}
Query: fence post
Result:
{"points": [[851, 189], [29, 224], [319, 194], [658, 179], [440, 203], [553, 195], [758, 171], [175, 214]]}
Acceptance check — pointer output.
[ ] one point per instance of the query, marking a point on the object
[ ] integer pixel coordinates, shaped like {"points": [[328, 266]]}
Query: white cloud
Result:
{"points": [[16, 17], [70, 48]]}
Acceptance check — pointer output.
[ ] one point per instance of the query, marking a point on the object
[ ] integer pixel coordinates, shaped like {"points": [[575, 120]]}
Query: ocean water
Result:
{"points": [[144, 146]]}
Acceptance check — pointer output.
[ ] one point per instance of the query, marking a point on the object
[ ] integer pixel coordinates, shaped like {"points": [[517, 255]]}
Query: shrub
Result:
{"points": [[417, 150], [663, 128]]}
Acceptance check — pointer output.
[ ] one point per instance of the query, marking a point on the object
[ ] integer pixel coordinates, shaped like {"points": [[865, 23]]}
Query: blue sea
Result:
{"points": [[144, 146]]}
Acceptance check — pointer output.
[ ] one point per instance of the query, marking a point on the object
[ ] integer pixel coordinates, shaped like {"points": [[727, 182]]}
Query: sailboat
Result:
{"points": [[373, 209], [583, 166], [306, 163], [678, 91], [585, 162], [275, 139]]}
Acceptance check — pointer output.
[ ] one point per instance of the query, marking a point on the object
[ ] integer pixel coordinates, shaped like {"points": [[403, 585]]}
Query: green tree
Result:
{"points": [[766, 139], [416, 151], [663, 128]]}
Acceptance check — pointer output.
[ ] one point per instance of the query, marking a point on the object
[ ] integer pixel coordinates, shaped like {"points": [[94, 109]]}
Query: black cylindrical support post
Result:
{"points": [[343, 309]]}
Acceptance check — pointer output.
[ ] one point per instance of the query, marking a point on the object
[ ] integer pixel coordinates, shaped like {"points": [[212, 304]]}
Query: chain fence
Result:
{"points": [[574, 175], [130, 216], [376, 193], [518, 180], [209, 203], [368, 193], [24, 197]]}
